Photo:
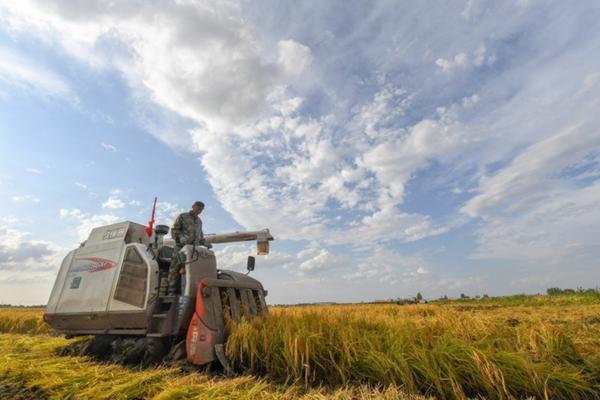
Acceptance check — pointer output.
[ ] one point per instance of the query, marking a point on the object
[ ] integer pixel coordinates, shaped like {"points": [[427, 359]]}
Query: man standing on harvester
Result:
{"points": [[187, 229]]}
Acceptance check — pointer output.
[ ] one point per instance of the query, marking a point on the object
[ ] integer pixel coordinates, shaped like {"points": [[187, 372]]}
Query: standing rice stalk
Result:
{"points": [[433, 350]]}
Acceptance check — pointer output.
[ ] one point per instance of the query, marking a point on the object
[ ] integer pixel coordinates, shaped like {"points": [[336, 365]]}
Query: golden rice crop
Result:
{"points": [[445, 351], [22, 320], [540, 347], [30, 369]]}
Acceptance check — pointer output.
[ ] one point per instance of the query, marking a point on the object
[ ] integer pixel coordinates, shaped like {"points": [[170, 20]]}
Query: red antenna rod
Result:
{"points": [[150, 227]]}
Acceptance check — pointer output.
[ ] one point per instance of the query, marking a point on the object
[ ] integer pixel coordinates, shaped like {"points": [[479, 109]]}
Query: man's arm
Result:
{"points": [[176, 230]]}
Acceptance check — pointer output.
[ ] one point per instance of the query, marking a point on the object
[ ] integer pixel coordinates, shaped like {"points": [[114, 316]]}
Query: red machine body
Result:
{"points": [[232, 296]]}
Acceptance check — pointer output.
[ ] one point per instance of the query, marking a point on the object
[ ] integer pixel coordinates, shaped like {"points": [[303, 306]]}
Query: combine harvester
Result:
{"points": [[114, 287]]}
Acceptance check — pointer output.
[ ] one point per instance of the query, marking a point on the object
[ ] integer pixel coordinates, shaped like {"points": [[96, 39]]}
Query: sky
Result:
{"points": [[391, 147]]}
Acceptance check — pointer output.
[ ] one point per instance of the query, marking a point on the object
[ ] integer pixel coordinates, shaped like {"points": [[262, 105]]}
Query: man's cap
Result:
{"points": [[198, 203]]}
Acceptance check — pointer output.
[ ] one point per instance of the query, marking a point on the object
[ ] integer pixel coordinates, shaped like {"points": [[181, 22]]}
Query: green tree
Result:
{"points": [[419, 297]]}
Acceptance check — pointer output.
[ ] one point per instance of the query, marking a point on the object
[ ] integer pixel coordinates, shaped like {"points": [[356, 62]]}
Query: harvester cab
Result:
{"points": [[114, 286]]}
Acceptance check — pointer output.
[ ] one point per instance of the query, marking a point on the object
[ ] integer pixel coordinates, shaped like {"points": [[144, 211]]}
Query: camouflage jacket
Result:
{"points": [[187, 229]]}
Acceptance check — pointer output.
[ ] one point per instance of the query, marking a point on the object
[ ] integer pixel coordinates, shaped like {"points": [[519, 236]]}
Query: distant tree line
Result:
{"points": [[21, 306], [553, 291], [556, 291]]}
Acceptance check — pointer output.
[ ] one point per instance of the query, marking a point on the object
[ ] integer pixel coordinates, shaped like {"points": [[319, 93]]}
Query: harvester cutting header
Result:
{"points": [[127, 281]]}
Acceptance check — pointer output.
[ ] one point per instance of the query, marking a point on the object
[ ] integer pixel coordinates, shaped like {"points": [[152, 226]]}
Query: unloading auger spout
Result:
{"points": [[262, 238]]}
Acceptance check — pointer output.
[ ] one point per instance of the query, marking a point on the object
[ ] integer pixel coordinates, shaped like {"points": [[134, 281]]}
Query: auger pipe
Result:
{"points": [[262, 238]]}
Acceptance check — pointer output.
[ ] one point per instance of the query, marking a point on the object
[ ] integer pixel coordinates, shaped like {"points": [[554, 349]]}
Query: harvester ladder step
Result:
{"points": [[159, 316]]}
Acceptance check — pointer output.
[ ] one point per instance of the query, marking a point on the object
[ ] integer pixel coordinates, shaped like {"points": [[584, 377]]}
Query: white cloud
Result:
{"points": [[471, 100], [460, 60], [377, 116], [317, 260], [26, 74], [81, 185], [541, 206], [8, 220], [86, 221], [235, 257], [34, 171], [215, 71], [477, 58], [166, 212], [26, 198], [113, 201], [390, 224], [468, 285], [108, 147], [389, 267], [27, 266], [311, 166], [363, 274], [293, 56], [395, 160], [248, 117], [534, 209], [21, 256], [6, 179]]}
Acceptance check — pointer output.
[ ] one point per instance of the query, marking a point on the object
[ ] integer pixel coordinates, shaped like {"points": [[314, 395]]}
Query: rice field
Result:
{"points": [[443, 351], [539, 347], [22, 320], [31, 369]]}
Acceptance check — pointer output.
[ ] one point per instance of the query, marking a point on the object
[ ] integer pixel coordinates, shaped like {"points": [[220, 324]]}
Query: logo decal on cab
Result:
{"points": [[92, 264]]}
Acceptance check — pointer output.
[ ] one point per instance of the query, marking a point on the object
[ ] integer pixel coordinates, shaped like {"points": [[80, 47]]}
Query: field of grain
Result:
{"points": [[518, 347], [22, 320]]}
